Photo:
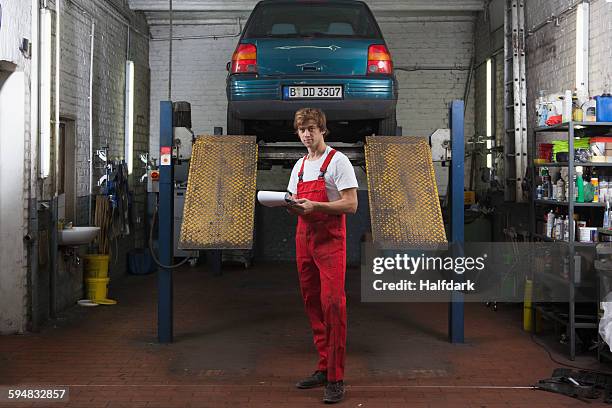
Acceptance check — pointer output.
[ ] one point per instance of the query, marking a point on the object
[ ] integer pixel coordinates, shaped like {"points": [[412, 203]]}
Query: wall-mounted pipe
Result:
{"points": [[555, 18], [91, 153], [192, 22], [432, 68], [58, 54], [206, 21], [202, 37]]}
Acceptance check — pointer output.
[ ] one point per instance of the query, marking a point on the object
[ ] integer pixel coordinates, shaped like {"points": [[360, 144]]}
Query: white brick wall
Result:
{"points": [[600, 55], [551, 59], [110, 55], [425, 95], [199, 72], [198, 76]]}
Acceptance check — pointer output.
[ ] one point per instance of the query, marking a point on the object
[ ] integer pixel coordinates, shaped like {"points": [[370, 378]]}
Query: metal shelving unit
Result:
{"points": [[585, 129]]}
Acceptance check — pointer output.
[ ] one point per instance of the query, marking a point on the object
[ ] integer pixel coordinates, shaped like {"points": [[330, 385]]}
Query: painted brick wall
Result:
{"points": [[198, 75], [199, 72], [110, 54], [551, 60], [114, 43], [550, 57], [111, 38], [489, 41], [425, 95], [600, 72]]}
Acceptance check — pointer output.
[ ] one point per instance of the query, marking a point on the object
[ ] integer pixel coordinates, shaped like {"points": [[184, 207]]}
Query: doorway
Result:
{"points": [[66, 184]]}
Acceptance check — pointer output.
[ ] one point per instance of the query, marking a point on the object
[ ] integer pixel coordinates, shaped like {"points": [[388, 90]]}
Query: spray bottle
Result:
{"points": [[579, 185]]}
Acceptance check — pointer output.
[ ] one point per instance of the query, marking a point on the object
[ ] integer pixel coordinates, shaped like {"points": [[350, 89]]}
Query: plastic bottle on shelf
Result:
{"points": [[603, 189], [589, 110], [579, 185], [560, 190], [595, 184], [542, 109], [556, 228], [550, 224], [567, 106], [606, 218]]}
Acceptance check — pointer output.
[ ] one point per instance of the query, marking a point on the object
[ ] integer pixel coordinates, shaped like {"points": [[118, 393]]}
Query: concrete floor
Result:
{"points": [[242, 339]]}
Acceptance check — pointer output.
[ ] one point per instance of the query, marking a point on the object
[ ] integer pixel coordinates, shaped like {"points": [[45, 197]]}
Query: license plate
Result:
{"points": [[313, 92]]}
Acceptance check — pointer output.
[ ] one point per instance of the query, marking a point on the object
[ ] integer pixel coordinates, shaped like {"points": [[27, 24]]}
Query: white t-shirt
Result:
{"points": [[340, 174]]}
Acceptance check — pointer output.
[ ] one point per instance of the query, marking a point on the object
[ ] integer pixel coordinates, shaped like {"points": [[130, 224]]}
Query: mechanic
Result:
{"points": [[324, 187]]}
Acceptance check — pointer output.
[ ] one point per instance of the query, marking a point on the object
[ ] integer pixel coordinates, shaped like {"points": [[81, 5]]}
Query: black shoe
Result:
{"points": [[318, 379], [334, 392]]}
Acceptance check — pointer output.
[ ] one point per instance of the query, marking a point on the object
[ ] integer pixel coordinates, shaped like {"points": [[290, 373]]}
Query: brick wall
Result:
{"points": [[551, 56], [550, 59], [114, 43], [110, 54], [424, 95], [489, 44]]}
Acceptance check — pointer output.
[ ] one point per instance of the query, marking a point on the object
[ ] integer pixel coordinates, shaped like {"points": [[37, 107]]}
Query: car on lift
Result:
{"points": [[316, 53]]}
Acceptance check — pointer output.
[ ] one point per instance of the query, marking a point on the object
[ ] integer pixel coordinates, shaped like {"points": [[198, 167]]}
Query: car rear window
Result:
{"points": [[286, 20]]}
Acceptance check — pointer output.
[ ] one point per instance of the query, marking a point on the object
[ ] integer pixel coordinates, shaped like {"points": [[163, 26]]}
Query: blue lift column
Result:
{"points": [[165, 216], [455, 312]]}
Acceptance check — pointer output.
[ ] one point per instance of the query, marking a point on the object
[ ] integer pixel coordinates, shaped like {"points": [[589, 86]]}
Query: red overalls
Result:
{"points": [[320, 242]]}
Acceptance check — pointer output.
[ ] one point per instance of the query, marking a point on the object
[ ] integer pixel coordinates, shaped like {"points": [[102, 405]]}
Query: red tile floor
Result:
{"points": [[242, 340]]}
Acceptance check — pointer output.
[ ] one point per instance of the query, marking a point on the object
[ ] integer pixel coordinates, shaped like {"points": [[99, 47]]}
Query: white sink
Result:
{"points": [[78, 235]]}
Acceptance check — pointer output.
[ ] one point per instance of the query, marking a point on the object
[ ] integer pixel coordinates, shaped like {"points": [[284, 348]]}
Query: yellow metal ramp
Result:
{"points": [[220, 199], [404, 204]]}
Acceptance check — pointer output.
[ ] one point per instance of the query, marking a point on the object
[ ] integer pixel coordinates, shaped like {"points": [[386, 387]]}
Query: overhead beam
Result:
{"points": [[242, 6]]}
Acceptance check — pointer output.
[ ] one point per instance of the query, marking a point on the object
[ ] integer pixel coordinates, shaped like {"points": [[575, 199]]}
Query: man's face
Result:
{"points": [[310, 134]]}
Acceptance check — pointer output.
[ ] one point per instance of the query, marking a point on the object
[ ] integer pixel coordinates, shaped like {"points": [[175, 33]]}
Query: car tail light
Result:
{"points": [[379, 60], [244, 58]]}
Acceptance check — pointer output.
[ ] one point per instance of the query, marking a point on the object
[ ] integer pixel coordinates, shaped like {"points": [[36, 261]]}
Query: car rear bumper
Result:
{"points": [[364, 98], [334, 110]]}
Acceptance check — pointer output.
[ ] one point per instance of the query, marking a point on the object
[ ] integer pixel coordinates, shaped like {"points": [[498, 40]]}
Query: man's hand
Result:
{"points": [[304, 206], [291, 209]]}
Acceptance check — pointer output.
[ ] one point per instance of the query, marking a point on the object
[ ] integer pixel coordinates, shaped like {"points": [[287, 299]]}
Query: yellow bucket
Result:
{"points": [[97, 288], [96, 266]]}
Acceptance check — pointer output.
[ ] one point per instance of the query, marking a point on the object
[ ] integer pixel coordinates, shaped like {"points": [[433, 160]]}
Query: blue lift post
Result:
{"points": [[455, 312], [165, 216]]}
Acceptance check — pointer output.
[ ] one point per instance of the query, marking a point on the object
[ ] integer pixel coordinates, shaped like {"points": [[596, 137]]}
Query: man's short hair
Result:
{"points": [[305, 115]]}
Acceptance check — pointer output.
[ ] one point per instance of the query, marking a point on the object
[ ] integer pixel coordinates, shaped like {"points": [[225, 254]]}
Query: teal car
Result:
{"points": [[325, 54]]}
